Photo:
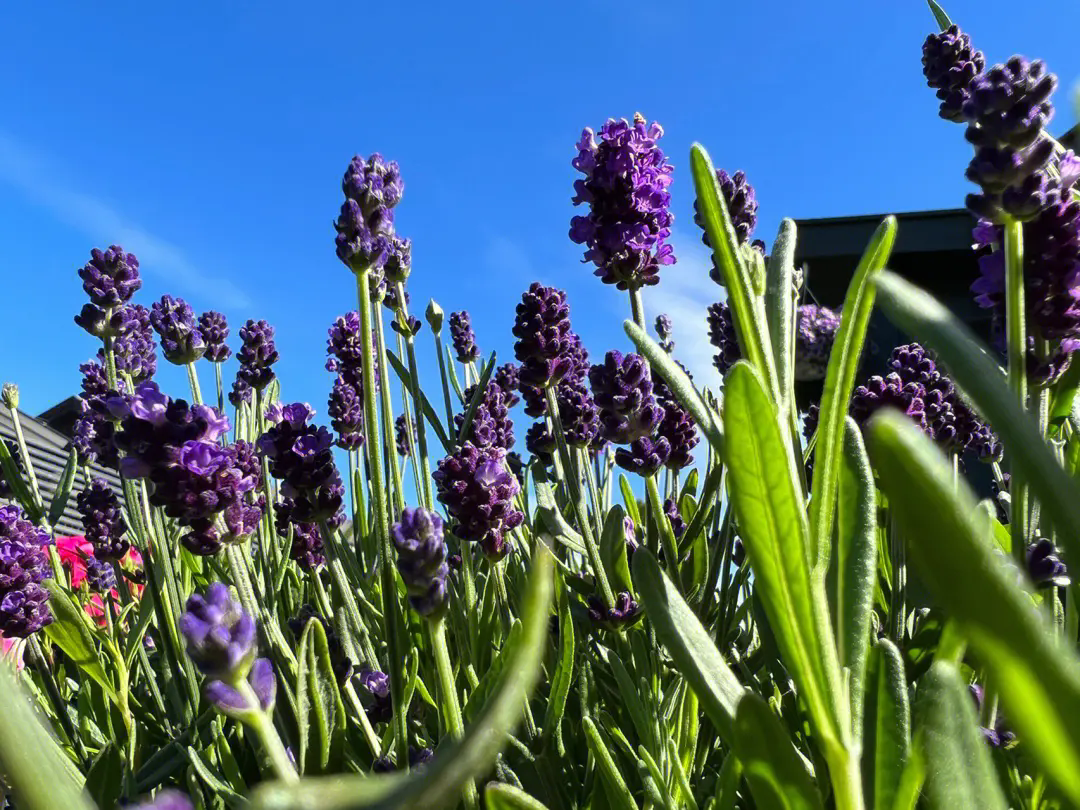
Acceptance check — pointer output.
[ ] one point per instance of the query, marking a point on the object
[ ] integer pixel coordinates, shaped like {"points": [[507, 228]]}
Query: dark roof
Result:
{"points": [[49, 452]]}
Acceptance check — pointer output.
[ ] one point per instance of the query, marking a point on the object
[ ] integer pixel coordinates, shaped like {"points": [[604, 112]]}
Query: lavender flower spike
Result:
{"points": [[418, 538], [215, 329], [174, 321], [103, 521], [24, 565], [462, 337], [111, 277], [257, 355]]}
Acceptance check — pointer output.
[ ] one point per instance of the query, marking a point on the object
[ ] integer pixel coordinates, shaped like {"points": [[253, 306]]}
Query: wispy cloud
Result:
{"points": [[684, 293], [41, 181]]}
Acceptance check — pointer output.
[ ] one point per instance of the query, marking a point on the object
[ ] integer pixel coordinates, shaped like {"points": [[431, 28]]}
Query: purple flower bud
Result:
{"points": [[507, 377], [103, 521], [1044, 566], [398, 262], [626, 612], [257, 354], [462, 337], [134, 349], [111, 277], [174, 321], [545, 342], [346, 410], [723, 338], [950, 65], [623, 389], [374, 692], [220, 635], [307, 543], [24, 565], [540, 442], [645, 456], [491, 424], [814, 335], [402, 428], [215, 329], [742, 207], [302, 459], [478, 492], [418, 538]]}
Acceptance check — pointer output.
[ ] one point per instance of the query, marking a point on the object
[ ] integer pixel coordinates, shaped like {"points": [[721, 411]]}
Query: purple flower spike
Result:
{"points": [[402, 428], [742, 207], [950, 65], [215, 329], [1044, 565], [24, 565], [398, 263], [578, 412], [166, 800], [134, 349], [364, 228], [111, 277], [623, 389], [462, 337], [103, 520], [814, 335], [220, 635], [374, 691], [174, 321], [679, 429], [625, 184], [257, 354], [645, 456], [241, 393], [545, 344], [346, 411], [491, 424], [418, 538], [508, 378], [307, 543], [723, 338], [302, 459], [478, 492]]}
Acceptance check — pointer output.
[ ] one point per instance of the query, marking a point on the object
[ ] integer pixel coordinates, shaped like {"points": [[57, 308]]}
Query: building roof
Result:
{"points": [[49, 450]]}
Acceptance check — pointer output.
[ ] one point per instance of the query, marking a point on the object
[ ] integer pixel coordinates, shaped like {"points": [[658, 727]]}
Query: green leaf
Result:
{"points": [[887, 732], [32, 762], [320, 711], [73, 633], [748, 319], [959, 770], [562, 677], [939, 14], [105, 779], [63, 488], [547, 509], [425, 405], [689, 643], [19, 487], [212, 780], [840, 382], [981, 379], [500, 796], [772, 523], [776, 774], [853, 568], [630, 501], [615, 786], [779, 308], [1037, 677], [477, 397], [613, 550], [679, 383], [705, 507], [492, 677], [440, 783]]}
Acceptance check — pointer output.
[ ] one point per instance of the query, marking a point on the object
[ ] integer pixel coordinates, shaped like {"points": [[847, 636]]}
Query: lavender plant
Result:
{"points": [[656, 595]]}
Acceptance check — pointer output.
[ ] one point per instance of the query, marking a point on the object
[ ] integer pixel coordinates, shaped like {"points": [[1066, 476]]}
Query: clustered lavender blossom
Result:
{"points": [[546, 346], [193, 478], [402, 427], [103, 521], [214, 330], [491, 425], [722, 337], [24, 565], [166, 800], [950, 65], [94, 430], [742, 208], [916, 387], [301, 457], [221, 642], [625, 613], [462, 337], [479, 495], [418, 538], [257, 355], [174, 321], [365, 225], [507, 377], [306, 549], [815, 331], [1044, 564], [625, 184], [134, 349], [110, 278], [345, 357], [630, 413]]}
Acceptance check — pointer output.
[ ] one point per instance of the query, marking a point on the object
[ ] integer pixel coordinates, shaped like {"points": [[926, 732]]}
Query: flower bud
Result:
{"points": [[434, 315], [10, 395]]}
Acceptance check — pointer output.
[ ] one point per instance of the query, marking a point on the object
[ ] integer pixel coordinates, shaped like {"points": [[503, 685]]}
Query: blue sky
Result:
{"points": [[212, 142]]}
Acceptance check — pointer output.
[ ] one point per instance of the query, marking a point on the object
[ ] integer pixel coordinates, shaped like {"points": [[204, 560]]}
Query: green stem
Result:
{"points": [[573, 485], [388, 576], [445, 380], [388, 418], [28, 463], [451, 707], [220, 387], [260, 722], [637, 307], [193, 381], [663, 525], [421, 428], [1015, 312], [60, 708]]}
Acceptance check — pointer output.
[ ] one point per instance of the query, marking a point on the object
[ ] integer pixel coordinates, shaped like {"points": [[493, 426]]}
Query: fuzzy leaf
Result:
{"points": [[887, 732], [771, 765], [73, 633], [320, 711]]}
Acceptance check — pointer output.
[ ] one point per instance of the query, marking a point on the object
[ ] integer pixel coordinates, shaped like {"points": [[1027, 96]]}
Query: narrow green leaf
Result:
{"points": [[33, 765], [212, 780], [19, 488], [562, 677], [63, 488], [939, 14], [1038, 678], [840, 382], [613, 550], [547, 509], [853, 568], [500, 796], [105, 779], [679, 383], [689, 643], [320, 711], [615, 786], [440, 783], [779, 308], [776, 774], [630, 501], [73, 633], [749, 322], [705, 507], [980, 377], [960, 772], [492, 677], [887, 733], [773, 526], [425, 405]]}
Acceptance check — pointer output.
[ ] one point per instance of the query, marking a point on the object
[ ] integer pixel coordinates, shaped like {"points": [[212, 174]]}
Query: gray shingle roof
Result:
{"points": [[49, 452]]}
